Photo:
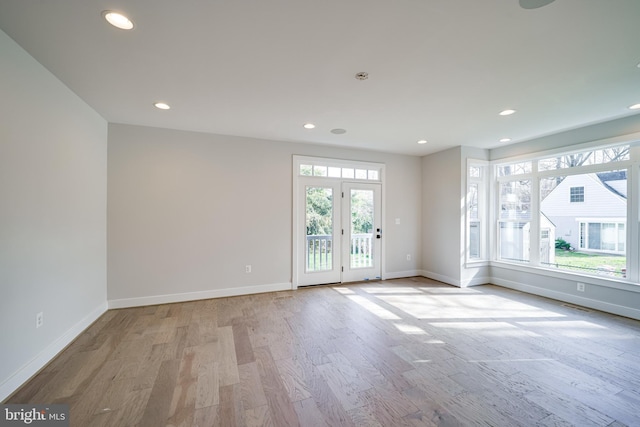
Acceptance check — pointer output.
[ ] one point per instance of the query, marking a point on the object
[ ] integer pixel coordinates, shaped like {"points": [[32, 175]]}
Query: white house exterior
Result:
{"points": [[515, 240], [589, 211]]}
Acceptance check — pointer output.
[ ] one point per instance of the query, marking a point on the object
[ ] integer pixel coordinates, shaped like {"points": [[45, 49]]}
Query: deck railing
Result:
{"points": [[361, 250], [320, 251]]}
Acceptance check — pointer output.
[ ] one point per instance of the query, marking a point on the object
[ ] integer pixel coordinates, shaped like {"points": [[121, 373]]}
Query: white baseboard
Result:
{"points": [[620, 310], [401, 274], [32, 367], [441, 278], [193, 296]]}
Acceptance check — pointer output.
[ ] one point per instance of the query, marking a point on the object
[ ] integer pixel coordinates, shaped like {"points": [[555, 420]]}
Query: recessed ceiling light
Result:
{"points": [[422, 141], [505, 140], [118, 20], [507, 112], [338, 131], [162, 105], [308, 126], [634, 107]]}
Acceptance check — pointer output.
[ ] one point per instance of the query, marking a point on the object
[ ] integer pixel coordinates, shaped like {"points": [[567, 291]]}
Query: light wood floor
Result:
{"points": [[408, 352]]}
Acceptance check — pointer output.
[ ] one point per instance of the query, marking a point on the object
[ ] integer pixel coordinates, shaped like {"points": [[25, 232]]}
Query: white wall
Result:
{"points": [[187, 212], [53, 160], [441, 214]]}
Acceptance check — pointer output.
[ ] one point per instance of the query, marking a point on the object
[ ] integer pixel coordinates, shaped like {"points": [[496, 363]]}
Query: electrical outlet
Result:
{"points": [[580, 287], [408, 257], [247, 269], [39, 319]]}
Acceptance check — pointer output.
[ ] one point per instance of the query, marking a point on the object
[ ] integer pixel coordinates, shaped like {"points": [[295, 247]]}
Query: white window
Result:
{"points": [[514, 221], [325, 168], [576, 194], [603, 236], [476, 215]]}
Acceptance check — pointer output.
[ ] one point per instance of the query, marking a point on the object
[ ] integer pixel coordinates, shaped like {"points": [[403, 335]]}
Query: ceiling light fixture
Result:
{"points": [[162, 105], [338, 131], [118, 20], [634, 107], [422, 141], [507, 112], [505, 140], [308, 126]]}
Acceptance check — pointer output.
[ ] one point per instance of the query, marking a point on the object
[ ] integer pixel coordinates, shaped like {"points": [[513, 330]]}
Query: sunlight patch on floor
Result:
{"points": [[373, 307], [391, 290], [344, 291], [464, 307], [572, 328], [410, 329]]}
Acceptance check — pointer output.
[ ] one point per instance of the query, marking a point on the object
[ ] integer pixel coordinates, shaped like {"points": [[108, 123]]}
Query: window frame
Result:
{"points": [[483, 196], [576, 195]]}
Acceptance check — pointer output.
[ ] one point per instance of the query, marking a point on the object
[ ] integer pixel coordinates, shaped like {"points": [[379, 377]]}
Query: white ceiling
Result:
{"points": [[439, 70]]}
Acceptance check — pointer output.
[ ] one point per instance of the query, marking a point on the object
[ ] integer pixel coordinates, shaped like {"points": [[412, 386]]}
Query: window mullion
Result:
{"points": [[535, 218], [633, 226]]}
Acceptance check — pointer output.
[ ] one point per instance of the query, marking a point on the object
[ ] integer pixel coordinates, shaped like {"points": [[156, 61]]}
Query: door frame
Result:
{"points": [[297, 248]]}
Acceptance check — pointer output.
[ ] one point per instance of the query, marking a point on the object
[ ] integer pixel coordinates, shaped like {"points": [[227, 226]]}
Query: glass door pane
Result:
{"points": [[361, 253], [319, 225]]}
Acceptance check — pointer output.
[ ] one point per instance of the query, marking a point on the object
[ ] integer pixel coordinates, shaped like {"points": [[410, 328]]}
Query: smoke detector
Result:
{"points": [[362, 75]]}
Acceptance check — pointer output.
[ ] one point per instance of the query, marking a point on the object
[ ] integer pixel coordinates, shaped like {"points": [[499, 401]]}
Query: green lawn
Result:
{"points": [[611, 265]]}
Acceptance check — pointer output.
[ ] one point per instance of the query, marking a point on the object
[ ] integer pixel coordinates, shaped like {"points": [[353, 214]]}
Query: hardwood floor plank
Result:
{"points": [[293, 378], [159, 403], [227, 361], [282, 410], [309, 414], [183, 401], [431, 412], [326, 401], [208, 385], [207, 417], [345, 392], [242, 342], [230, 411], [258, 417], [571, 412], [251, 388]]}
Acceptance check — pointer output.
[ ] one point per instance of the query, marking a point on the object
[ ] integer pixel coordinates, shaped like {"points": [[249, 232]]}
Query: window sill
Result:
{"points": [[478, 263]]}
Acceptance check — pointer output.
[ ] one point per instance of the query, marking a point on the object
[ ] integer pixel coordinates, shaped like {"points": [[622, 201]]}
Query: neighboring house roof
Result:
{"points": [[615, 182]]}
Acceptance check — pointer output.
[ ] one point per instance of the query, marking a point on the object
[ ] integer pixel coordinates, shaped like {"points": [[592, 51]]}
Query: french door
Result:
{"points": [[341, 231], [362, 227]]}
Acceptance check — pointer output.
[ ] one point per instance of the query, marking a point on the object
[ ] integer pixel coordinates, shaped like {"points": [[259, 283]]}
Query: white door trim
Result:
{"points": [[298, 222]]}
